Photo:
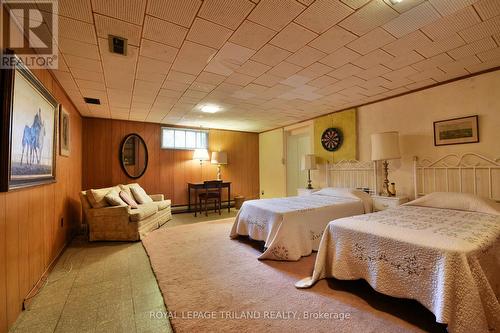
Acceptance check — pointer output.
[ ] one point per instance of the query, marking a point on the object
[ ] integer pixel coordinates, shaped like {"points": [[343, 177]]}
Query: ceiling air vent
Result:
{"points": [[117, 45], [90, 100]]}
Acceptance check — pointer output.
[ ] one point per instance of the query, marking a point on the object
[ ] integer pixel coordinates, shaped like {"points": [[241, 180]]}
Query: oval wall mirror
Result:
{"points": [[134, 156]]}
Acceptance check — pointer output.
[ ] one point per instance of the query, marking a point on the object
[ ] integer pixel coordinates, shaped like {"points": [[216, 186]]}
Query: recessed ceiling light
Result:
{"points": [[210, 109], [395, 2]]}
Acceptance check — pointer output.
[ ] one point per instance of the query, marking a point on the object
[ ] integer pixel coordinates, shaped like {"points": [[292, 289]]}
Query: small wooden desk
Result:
{"points": [[201, 186]]}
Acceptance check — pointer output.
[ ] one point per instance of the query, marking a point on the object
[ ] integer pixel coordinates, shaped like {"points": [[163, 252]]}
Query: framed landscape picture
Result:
{"points": [[28, 126], [64, 133], [456, 131]]}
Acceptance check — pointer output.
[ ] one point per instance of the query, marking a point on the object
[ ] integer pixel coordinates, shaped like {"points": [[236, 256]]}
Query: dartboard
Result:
{"points": [[332, 139]]}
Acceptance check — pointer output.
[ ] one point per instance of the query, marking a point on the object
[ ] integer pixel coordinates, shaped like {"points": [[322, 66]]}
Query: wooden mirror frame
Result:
{"points": [[146, 155]]}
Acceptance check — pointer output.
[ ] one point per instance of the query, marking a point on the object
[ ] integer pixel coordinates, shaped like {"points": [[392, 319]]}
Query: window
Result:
{"points": [[179, 138]]}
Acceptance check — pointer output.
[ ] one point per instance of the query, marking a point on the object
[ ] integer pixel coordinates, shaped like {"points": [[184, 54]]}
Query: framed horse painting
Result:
{"points": [[27, 130]]}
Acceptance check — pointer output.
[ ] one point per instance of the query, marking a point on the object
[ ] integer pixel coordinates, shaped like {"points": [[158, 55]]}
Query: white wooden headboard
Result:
{"points": [[353, 174], [469, 173]]}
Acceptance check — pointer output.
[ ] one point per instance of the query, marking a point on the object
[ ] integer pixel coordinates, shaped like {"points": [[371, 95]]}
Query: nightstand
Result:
{"points": [[305, 191], [383, 203]]}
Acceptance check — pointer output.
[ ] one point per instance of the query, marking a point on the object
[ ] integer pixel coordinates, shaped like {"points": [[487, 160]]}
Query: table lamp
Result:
{"points": [[309, 163], [385, 146], [219, 158]]}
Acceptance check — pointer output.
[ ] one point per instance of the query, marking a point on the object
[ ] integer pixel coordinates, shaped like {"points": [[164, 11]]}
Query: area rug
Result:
{"points": [[211, 283]]}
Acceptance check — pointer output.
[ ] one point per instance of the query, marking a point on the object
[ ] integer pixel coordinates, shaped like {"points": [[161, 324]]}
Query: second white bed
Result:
{"points": [[292, 227]]}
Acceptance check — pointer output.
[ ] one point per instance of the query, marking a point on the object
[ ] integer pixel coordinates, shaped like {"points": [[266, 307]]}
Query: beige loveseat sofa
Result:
{"points": [[122, 223]]}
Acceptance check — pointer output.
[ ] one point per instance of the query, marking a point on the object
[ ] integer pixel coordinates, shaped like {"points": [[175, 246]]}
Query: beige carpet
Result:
{"points": [[202, 273]]}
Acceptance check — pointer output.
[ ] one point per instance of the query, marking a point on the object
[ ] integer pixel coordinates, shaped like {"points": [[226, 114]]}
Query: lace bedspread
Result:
{"points": [[448, 260], [291, 227]]}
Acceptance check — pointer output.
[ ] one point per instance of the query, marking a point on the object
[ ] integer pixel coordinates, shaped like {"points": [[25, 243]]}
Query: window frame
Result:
{"points": [[185, 130]]}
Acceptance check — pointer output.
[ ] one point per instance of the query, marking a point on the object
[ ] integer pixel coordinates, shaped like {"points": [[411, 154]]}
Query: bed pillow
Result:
{"points": [[113, 199], [459, 201], [348, 193]]}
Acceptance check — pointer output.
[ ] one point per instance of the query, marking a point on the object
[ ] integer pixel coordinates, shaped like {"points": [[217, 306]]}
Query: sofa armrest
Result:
{"points": [[109, 211], [157, 197]]}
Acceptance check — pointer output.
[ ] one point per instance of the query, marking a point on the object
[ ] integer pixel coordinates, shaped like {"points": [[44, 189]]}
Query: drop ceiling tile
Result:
{"points": [[106, 26], [371, 41], [265, 13], [373, 58], [180, 77], [373, 72], [323, 14], [450, 25], [448, 7], [497, 38], [284, 69], [228, 59], [174, 94], [194, 95], [83, 63], [433, 62], [253, 68], [488, 8], [209, 34], [210, 78], [397, 83], [77, 30], [176, 86], [252, 35], [271, 55], [484, 66], [229, 13], [333, 39], [305, 56], [87, 75], [459, 65], [146, 88], [77, 9], [412, 20], [127, 10], [315, 70], [322, 81], [441, 46], [293, 37], [84, 84], [375, 82], [355, 4], [295, 80], [407, 43], [374, 14], [149, 65], [163, 31], [401, 73], [404, 60], [404, 6], [481, 30], [74, 47], [240, 79], [473, 48], [180, 12], [158, 51], [340, 57], [430, 73], [490, 55], [119, 70], [345, 71], [148, 76], [267, 80], [192, 58]]}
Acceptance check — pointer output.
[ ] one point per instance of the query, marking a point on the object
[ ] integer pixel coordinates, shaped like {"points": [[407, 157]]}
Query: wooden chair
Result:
{"points": [[213, 192]]}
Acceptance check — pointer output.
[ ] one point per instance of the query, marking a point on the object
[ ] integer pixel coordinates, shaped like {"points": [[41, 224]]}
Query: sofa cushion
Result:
{"points": [[97, 197], [140, 195], [162, 204], [113, 199], [143, 212]]}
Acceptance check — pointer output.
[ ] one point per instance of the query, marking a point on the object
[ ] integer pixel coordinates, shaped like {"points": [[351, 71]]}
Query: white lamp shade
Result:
{"points": [[201, 155], [385, 146], [219, 157], [309, 162]]}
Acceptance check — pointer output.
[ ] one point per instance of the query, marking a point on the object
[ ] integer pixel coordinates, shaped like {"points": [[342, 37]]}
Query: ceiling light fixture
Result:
{"points": [[210, 109], [395, 2]]}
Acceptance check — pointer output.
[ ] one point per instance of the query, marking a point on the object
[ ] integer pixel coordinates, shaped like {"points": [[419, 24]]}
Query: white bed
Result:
{"points": [[292, 227], [442, 250]]}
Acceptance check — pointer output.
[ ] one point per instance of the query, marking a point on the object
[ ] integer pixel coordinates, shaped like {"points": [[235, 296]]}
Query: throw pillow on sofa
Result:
{"points": [[128, 200], [113, 199], [140, 195], [97, 197]]}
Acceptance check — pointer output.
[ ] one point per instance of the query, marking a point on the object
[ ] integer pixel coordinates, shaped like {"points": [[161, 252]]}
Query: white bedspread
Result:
{"points": [[448, 260], [291, 227]]}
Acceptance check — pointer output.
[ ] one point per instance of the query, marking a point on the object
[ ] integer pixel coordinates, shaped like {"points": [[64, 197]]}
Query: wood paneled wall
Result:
{"points": [[31, 234], [168, 171]]}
